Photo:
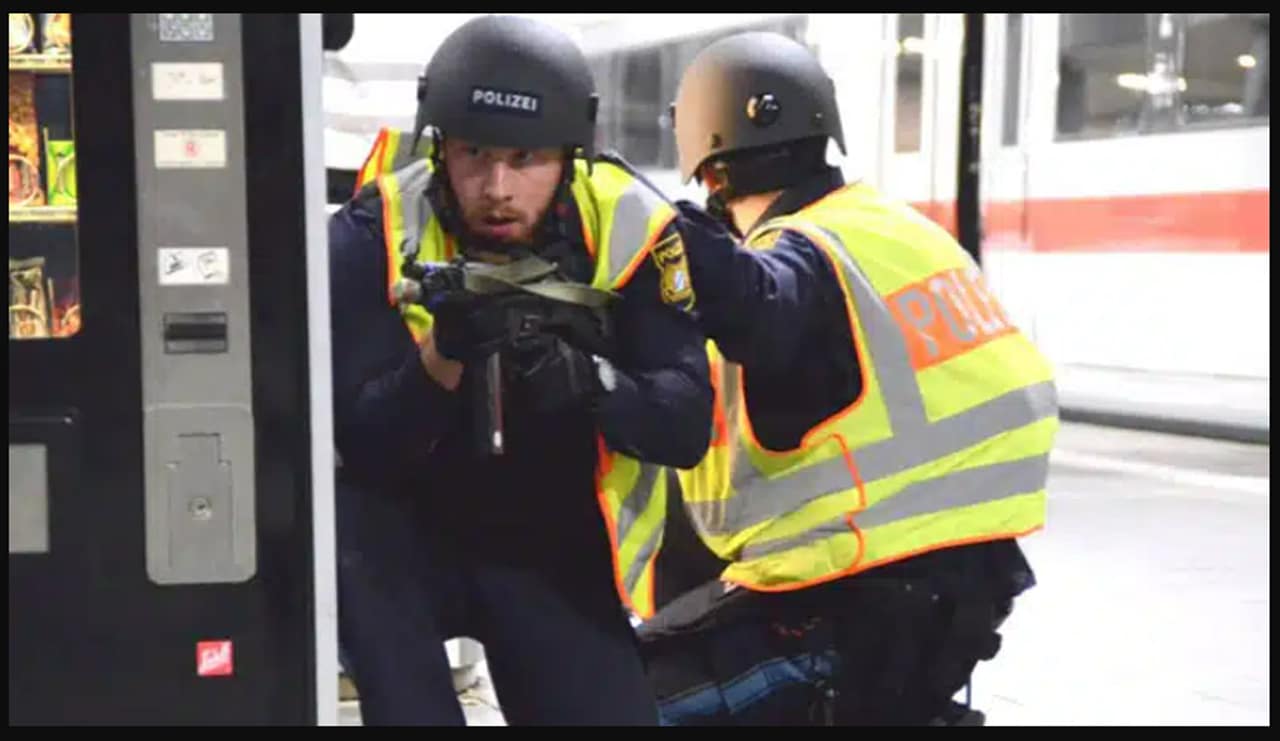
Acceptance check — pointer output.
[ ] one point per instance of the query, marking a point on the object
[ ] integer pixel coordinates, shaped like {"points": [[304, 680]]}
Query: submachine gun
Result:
{"points": [[533, 301]]}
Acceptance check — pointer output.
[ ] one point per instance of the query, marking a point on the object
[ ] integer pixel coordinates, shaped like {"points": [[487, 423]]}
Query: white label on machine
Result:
{"points": [[194, 266], [187, 81], [178, 149]]}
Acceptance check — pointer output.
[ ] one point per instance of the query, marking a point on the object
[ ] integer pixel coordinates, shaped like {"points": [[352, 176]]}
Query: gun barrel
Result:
{"points": [[487, 406]]}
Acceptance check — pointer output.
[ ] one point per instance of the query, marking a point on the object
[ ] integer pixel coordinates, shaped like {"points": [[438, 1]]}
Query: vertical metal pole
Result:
{"points": [[969, 167]]}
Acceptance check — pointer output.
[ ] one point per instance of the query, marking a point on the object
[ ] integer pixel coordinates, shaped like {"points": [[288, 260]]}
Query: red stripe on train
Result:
{"points": [[1194, 222]]}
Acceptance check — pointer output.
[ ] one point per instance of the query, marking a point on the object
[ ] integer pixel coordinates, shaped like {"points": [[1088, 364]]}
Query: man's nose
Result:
{"points": [[497, 182]]}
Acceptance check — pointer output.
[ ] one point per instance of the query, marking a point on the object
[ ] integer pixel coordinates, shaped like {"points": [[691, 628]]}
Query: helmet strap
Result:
{"points": [[759, 170]]}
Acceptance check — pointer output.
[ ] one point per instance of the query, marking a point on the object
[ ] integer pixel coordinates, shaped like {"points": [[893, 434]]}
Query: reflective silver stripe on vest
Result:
{"points": [[630, 229], [914, 440], [637, 500], [959, 489], [759, 499], [404, 152], [414, 206], [888, 349], [632, 578], [634, 506], [713, 515]]}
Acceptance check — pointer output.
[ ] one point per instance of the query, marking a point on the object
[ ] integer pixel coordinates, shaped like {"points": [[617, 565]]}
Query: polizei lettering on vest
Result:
{"points": [[491, 100], [947, 314]]}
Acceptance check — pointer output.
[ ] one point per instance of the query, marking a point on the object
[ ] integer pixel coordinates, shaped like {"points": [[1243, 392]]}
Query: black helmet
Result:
{"points": [[748, 91], [510, 81]]}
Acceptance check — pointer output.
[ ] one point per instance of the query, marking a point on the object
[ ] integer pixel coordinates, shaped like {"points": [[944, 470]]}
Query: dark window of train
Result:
{"points": [[641, 104], [1012, 79], [910, 83], [1102, 73], [1226, 67], [635, 120]]}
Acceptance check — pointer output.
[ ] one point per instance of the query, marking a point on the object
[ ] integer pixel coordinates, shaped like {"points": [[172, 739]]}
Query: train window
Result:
{"points": [[1226, 67], [1141, 73], [642, 105], [1012, 79], [910, 83], [1102, 73], [635, 122]]}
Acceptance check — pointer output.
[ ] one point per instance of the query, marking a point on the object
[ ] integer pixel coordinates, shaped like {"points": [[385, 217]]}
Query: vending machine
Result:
{"points": [[170, 444]]}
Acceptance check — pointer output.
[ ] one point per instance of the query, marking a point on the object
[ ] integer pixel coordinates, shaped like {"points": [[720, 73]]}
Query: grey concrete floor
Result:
{"points": [[1154, 597], [1153, 602]]}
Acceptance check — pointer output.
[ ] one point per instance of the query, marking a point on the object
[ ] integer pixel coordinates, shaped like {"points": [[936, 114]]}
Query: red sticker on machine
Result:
{"points": [[213, 659]]}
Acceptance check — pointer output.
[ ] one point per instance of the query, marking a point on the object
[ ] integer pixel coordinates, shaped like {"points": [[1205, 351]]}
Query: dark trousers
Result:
{"points": [[888, 647], [559, 646]]}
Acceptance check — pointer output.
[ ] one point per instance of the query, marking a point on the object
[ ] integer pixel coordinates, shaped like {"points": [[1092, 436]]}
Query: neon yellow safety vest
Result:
{"points": [[947, 444], [390, 152], [622, 218]]}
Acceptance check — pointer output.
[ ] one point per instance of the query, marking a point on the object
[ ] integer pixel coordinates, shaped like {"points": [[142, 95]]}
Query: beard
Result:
{"points": [[471, 242]]}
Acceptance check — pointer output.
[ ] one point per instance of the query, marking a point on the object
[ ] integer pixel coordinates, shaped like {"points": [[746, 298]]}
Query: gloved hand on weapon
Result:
{"points": [[548, 374], [468, 327], [522, 331]]}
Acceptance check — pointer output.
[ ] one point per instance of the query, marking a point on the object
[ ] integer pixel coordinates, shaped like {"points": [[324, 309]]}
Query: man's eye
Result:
{"points": [[524, 158]]}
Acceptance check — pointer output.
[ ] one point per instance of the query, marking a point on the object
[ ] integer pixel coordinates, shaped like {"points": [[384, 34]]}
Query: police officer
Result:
{"points": [[883, 428], [541, 552]]}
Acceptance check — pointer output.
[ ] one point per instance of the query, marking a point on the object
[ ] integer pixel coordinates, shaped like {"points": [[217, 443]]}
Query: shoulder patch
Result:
{"points": [[674, 279]]}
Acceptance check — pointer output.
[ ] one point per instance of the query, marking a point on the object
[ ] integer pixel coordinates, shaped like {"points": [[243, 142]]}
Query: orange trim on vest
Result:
{"points": [[587, 237], [719, 421], [388, 237], [603, 467], [374, 156], [853, 526], [858, 349], [636, 261]]}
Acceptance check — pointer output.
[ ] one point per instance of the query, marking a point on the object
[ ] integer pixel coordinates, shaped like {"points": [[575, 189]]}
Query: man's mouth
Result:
{"points": [[499, 227]]}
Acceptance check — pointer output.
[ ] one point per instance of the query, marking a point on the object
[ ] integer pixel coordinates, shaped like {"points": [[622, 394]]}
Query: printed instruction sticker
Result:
{"points": [[191, 149], [187, 81], [194, 266]]}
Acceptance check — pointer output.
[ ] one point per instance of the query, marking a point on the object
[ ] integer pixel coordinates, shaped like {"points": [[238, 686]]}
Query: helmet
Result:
{"points": [[748, 91], [511, 82]]}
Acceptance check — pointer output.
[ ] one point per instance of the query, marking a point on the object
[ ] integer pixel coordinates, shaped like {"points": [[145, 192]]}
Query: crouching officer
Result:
{"points": [[883, 428], [541, 551]]}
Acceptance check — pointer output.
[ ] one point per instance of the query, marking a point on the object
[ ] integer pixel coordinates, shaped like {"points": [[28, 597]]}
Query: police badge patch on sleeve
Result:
{"points": [[673, 272]]}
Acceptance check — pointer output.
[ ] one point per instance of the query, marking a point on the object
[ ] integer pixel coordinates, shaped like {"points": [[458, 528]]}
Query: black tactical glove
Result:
{"points": [[710, 247], [547, 374], [470, 327]]}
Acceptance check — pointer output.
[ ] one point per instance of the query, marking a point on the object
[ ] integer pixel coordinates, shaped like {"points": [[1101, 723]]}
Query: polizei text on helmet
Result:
{"points": [[505, 101]]}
